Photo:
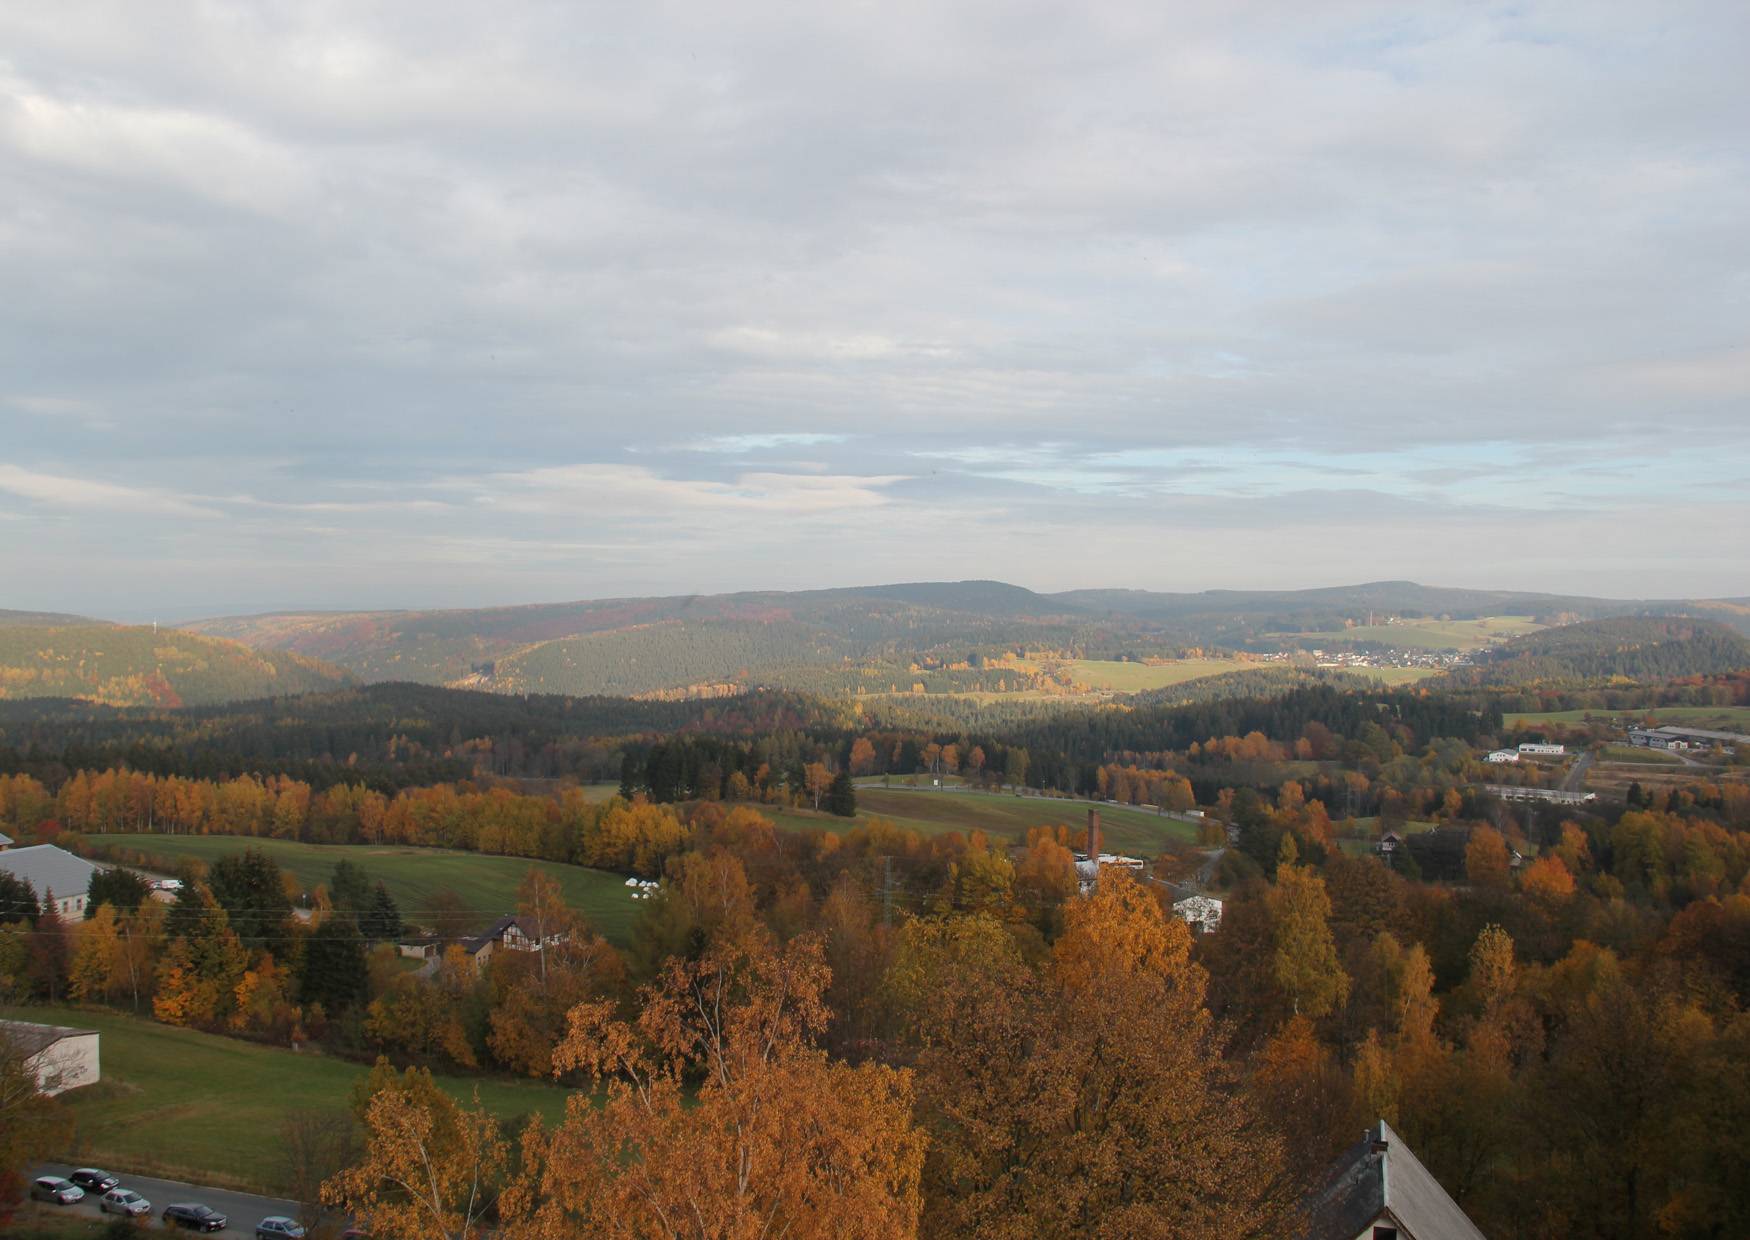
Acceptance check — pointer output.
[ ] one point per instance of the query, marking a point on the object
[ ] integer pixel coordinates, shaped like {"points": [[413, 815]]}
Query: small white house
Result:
{"points": [[1201, 913], [61, 1058], [1504, 755], [1539, 747]]}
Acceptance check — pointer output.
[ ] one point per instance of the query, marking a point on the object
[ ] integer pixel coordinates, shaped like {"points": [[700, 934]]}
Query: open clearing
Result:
{"points": [[1125, 677], [486, 884], [1429, 634], [1645, 757], [207, 1109], [1713, 718], [1112, 676], [1001, 815]]}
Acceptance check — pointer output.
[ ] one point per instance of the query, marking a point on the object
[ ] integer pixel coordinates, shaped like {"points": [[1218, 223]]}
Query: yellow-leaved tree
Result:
{"points": [[777, 1139], [431, 1168], [1090, 1097]]}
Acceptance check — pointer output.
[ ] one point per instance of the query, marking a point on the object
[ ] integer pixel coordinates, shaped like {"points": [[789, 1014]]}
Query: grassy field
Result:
{"points": [[1136, 677], [1715, 718], [1632, 753], [486, 885], [1001, 815], [1430, 634], [195, 1106]]}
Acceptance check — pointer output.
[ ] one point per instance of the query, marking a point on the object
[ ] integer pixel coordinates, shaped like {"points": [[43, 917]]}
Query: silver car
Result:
{"points": [[54, 1188], [124, 1201]]}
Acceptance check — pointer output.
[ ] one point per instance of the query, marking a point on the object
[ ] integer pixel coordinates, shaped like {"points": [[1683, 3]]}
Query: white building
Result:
{"points": [[1504, 755], [1538, 747], [1556, 796], [59, 879], [1201, 913], [61, 1058], [1669, 737]]}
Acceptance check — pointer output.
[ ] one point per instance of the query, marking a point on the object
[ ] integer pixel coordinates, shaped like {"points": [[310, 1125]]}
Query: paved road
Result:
{"points": [[1577, 775], [242, 1210], [1206, 872]]}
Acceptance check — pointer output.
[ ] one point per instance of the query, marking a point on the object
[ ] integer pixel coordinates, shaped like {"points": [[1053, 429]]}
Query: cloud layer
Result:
{"points": [[357, 305]]}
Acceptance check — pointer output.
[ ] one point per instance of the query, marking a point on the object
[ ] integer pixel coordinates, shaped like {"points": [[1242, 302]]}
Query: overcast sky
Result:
{"points": [[354, 305]]}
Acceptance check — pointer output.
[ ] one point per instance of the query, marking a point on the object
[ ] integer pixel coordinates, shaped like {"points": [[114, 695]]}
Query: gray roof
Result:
{"points": [[33, 1039], [1379, 1179], [52, 872], [5, 839]]}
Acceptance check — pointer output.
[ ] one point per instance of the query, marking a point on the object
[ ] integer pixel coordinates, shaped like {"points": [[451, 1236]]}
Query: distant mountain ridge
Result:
{"points": [[959, 636], [118, 665], [10, 619]]}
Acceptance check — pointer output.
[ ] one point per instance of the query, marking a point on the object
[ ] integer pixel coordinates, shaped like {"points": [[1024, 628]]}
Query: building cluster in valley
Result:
{"points": [[1683, 739], [1363, 660], [1528, 749]]}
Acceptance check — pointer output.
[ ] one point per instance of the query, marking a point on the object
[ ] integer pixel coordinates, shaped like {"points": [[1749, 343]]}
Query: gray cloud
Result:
{"points": [[455, 306]]}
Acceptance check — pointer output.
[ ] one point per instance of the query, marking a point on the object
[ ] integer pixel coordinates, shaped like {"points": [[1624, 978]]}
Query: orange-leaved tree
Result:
{"points": [[1091, 1097], [777, 1139], [431, 1168]]}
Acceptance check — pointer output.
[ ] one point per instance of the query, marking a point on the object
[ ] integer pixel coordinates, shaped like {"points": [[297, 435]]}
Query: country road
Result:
{"points": [[1577, 776], [242, 1210]]}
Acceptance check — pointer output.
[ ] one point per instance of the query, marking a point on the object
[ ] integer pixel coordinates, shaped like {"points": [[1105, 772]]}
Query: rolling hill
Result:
{"points": [[962, 637], [117, 665], [1628, 647], [12, 619]]}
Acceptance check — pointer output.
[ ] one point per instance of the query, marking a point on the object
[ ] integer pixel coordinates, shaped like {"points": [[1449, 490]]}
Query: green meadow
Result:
{"points": [[194, 1106], [486, 885]]}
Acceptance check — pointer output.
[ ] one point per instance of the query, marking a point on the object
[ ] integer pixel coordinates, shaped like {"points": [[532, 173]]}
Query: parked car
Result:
{"points": [[194, 1216], [54, 1188], [94, 1181], [278, 1227], [124, 1201]]}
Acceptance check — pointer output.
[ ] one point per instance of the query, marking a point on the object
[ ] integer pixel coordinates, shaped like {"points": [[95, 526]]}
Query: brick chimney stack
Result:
{"points": [[1094, 835]]}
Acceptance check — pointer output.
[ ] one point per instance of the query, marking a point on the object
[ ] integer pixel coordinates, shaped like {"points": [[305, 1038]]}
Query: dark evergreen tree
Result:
{"points": [[383, 919], [1259, 840], [841, 798], [249, 887], [122, 888], [334, 966], [188, 911], [349, 891], [17, 900]]}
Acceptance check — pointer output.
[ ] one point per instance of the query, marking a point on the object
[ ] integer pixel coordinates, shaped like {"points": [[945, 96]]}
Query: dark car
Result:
{"points": [[54, 1188], [194, 1216], [278, 1227], [94, 1181]]}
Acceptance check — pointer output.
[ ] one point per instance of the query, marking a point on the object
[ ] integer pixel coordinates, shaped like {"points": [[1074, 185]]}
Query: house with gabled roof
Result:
{"points": [[1378, 1189]]}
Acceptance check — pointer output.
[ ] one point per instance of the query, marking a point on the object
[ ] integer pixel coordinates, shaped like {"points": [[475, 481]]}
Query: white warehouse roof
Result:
{"points": [[52, 872]]}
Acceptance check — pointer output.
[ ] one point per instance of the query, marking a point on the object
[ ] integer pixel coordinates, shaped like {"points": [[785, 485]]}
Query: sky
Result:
{"points": [[362, 305]]}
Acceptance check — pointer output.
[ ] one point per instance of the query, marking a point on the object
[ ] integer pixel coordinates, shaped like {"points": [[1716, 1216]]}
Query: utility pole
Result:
{"points": [[887, 891]]}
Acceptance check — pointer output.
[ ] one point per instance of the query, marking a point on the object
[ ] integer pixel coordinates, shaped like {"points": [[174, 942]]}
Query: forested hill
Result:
{"points": [[1632, 647], [942, 636], [12, 619], [117, 665]]}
